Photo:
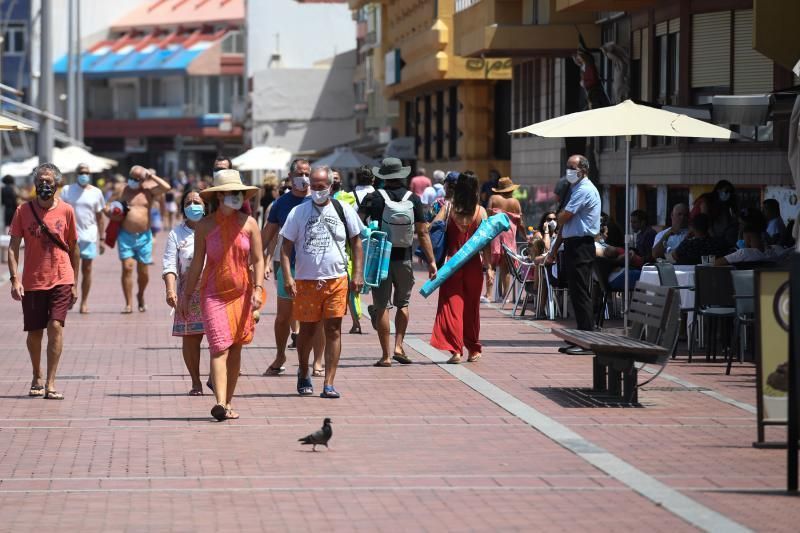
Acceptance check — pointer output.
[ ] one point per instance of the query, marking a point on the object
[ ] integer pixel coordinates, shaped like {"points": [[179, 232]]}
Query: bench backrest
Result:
{"points": [[654, 314], [646, 311]]}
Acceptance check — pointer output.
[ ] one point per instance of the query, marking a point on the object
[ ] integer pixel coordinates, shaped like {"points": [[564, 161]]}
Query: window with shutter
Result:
{"points": [[711, 49], [752, 72]]}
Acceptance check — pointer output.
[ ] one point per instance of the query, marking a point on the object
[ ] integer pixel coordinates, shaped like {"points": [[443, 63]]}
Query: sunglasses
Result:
{"points": [[551, 219]]}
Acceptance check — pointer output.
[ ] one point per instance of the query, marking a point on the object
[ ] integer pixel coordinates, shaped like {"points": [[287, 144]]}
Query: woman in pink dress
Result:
{"points": [[228, 242], [458, 321], [502, 201]]}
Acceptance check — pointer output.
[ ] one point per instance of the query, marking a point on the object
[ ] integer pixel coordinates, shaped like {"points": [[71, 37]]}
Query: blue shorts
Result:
{"points": [[138, 246], [279, 288], [88, 249]]}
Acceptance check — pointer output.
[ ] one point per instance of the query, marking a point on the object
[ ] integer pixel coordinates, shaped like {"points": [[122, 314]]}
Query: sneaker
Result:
{"points": [[305, 387], [484, 300]]}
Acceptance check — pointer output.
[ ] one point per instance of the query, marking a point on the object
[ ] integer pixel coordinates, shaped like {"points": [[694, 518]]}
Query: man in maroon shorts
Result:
{"points": [[47, 290]]}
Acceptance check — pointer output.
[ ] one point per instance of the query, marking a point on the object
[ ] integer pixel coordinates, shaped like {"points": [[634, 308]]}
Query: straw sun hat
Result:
{"points": [[505, 185], [228, 180]]}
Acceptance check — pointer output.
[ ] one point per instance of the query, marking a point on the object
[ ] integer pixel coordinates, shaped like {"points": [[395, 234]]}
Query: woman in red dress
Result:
{"points": [[457, 324]]}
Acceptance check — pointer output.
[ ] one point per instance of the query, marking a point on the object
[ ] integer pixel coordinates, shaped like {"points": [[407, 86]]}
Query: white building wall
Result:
{"points": [[307, 32]]}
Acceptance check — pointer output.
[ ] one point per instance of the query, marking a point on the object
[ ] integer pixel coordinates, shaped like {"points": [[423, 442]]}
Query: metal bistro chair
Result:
{"points": [[713, 302], [518, 267], [744, 294], [667, 277]]}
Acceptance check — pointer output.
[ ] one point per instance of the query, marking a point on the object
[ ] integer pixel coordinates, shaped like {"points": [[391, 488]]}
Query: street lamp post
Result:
{"points": [[46, 101]]}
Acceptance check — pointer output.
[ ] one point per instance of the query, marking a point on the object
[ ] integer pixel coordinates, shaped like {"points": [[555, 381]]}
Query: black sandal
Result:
{"points": [[219, 412], [36, 391]]}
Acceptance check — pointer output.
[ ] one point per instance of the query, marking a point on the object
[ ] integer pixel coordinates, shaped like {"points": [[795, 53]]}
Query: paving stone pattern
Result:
{"points": [[414, 447]]}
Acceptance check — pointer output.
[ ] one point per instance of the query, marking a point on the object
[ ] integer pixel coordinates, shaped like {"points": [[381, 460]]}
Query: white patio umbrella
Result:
{"points": [[68, 158], [263, 158], [626, 120]]}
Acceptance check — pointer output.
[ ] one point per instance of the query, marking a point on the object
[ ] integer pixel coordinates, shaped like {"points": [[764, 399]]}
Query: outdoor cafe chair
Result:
{"points": [[744, 295], [714, 302], [667, 277], [519, 267]]}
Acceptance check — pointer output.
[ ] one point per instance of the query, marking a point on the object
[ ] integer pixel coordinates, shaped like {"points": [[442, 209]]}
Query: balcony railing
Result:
{"points": [[462, 5]]}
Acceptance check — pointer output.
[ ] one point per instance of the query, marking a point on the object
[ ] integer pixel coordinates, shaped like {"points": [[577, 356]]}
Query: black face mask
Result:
{"points": [[44, 190]]}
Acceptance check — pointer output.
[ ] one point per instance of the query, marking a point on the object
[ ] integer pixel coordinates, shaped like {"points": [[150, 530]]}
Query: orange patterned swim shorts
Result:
{"points": [[316, 300]]}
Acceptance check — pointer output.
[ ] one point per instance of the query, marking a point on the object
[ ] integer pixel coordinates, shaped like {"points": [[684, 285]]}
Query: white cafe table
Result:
{"points": [[685, 275]]}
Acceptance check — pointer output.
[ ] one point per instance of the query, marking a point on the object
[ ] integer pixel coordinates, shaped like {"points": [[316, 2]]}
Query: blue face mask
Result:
{"points": [[84, 179], [194, 212], [133, 184], [740, 244]]}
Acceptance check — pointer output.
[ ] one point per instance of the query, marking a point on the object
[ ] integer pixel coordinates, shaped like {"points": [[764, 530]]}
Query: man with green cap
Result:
{"points": [[401, 215]]}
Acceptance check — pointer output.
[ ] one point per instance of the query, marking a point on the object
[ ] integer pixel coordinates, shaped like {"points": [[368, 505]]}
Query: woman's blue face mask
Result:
{"points": [[194, 212]]}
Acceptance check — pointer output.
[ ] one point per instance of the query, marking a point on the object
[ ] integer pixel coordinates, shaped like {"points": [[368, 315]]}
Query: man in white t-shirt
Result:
{"points": [[88, 203], [318, 232], [754, 250]]}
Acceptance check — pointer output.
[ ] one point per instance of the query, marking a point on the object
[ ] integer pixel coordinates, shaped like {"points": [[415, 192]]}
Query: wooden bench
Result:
{"points": [[654, 317]]}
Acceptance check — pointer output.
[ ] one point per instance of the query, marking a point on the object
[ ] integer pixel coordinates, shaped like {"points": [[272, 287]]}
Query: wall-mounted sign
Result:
{"points": [[393, 65], [488, 66]]}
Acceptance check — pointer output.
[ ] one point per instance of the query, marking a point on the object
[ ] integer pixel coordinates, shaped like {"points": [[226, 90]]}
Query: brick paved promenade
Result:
{"points": [[501, 444]]}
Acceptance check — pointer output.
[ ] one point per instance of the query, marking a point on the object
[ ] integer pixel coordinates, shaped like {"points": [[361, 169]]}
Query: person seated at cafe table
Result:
{"points": [[699, 243], [754, 250]]}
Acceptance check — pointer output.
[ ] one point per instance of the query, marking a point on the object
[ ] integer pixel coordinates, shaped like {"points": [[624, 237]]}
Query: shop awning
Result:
{"points": [[157, 52]]}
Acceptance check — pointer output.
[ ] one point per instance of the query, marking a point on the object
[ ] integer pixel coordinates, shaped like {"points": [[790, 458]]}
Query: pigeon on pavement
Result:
{"points": [[320, 437]]}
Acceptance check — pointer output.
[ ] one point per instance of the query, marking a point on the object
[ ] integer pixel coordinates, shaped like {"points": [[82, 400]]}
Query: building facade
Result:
{"points": [[166, 87], [680, 54], [454, 110]]}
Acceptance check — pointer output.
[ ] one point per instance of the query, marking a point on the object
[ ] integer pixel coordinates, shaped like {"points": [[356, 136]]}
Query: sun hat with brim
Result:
{"points": [[391, 169], [505, 185], [228, 180]]}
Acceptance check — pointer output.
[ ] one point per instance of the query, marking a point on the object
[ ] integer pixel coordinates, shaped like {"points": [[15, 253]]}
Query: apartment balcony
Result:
{"points": [[603, 5], [493, 28], [424, 58]]}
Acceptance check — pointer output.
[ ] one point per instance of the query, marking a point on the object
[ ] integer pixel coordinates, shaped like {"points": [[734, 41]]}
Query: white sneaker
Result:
{"points": [[484, 300]]}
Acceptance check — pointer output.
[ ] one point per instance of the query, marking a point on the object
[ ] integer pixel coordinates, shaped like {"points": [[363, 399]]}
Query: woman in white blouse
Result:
{"points": [[177, 259]]}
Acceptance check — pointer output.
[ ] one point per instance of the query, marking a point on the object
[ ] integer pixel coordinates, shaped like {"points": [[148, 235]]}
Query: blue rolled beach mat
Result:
{"points": [[488, 230]]}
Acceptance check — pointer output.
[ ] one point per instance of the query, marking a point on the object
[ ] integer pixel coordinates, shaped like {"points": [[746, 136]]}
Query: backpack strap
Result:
{"points": [[385, 196], [406, 196], [337, 205]]}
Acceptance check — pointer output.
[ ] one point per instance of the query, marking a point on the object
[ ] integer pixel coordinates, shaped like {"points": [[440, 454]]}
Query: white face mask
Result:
{"points": [[320, 197], [572, 175], [234, 201], [301, 182]]}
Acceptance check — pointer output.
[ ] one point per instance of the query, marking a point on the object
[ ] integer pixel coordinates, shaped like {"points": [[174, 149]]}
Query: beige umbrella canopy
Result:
{"points": [[9, 124], [626, 120]]}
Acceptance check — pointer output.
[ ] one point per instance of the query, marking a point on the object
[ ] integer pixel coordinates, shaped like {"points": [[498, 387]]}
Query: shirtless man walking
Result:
{"points": [[135, 240]]}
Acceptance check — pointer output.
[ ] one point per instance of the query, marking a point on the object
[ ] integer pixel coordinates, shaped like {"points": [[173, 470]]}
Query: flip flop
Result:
{"points": [[402, 358], [36, 391], [384, 364], [355, 330], [272, 371], [126, 311], [196, 392], [474, 358], [53, 395], [329, 392], [318, 373], [455, 360], [230, 414]]}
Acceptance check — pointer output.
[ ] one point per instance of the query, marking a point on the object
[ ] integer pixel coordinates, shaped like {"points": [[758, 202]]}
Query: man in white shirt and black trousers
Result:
{"points": [[580, 223]]}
